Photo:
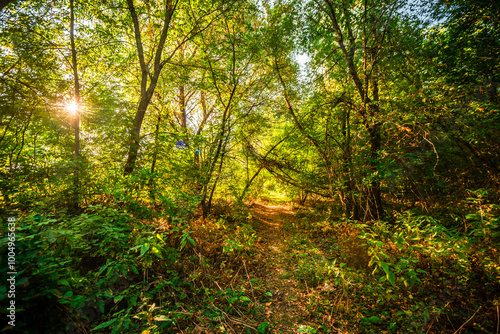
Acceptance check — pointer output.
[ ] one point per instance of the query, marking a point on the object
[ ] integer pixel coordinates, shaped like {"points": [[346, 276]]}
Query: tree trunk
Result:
{"points": [[147, 88], [135, 135], [76, 181], [182, 105], [375, 143]]}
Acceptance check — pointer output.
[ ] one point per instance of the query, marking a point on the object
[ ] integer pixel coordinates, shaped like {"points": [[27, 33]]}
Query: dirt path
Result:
{"points": [[270, 220], [286, 313]]}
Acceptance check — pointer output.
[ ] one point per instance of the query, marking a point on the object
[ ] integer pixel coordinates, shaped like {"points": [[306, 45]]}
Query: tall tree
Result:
{"points": [[75, 106], [359, 30], [149, 78], [152, 61]]}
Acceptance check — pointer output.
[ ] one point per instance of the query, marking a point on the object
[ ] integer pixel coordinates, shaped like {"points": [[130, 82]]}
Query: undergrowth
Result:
{"points": [[412, 275], [105, 270]]}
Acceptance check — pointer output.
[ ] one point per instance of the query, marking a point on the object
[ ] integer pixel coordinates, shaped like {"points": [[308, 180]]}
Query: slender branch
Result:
{"points": [[465, 323], [138, 42]]}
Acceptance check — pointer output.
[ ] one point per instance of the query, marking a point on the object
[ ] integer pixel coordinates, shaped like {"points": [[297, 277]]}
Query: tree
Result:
{"points": [[232, 56], [150, 73], [148, 79], [76, 105], [463, 53], [354, 35]]}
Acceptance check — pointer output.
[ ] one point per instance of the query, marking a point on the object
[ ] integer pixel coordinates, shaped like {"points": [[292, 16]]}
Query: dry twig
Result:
{"points": [[460, 328]]}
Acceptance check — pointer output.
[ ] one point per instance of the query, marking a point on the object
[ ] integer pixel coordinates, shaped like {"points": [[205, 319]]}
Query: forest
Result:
{"points": [[250, 166]]}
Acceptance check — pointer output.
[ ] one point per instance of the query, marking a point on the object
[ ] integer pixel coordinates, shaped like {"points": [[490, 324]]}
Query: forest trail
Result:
{"points": [[276, 266], [270, 219]]}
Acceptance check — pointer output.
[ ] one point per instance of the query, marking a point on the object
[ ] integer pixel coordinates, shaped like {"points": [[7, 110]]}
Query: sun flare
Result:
{"points": [[72, 107]]}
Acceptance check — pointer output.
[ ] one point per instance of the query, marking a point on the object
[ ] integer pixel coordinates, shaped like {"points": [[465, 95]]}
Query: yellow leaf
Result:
{"points": [[156, 251]]}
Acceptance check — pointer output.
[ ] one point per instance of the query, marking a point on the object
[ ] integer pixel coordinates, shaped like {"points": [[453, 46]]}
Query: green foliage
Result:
{"points": [[417, 268], [391, 115], [96, 264], [243, 240], [306, 329], [484, 224]]}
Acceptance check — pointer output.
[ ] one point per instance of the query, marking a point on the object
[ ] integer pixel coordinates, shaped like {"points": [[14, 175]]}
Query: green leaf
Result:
{"points": [[118, 298], [100, 304], [104, 325], [385, 267], [245, 299], [390, 275], [373, 320], [391, 278], [63, 282], [102, 269], [144, 249], [262, 327]]}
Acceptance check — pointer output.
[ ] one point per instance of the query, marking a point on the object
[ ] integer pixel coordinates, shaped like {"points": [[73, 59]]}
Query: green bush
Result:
{"points": [[92, 271]]}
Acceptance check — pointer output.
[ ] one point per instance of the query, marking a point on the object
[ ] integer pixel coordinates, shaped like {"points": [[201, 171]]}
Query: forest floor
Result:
{"points": [[284, 268], [275, 266], [285, 311], [261, 268]]}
